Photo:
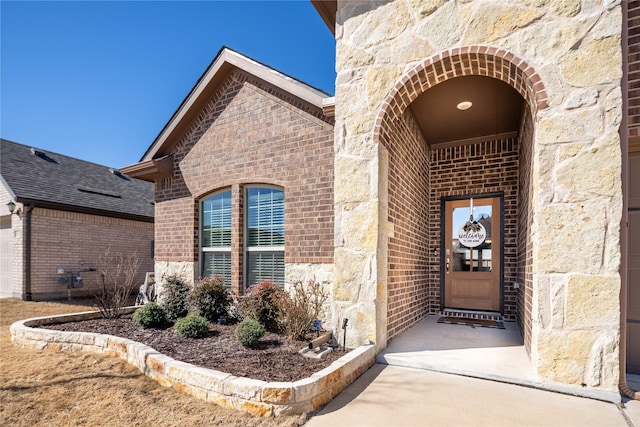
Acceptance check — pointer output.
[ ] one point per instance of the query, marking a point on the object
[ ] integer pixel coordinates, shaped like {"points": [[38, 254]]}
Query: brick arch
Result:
{"points": [[465, 61], [411, 196]]}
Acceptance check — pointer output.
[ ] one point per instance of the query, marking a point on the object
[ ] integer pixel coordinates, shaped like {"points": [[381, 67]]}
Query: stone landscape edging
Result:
{"points": [[257, 397]]}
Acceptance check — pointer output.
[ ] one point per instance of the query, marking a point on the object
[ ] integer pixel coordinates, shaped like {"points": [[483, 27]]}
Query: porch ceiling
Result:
{"points": [[496, 109]]}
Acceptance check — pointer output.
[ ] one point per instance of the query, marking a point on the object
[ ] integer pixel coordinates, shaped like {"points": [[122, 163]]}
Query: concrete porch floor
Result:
{"points": [[478, 352]]}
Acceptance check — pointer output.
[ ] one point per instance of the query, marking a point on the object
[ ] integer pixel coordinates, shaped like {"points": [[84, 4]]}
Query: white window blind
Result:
{"points": [[217, 264], [265, 235], [216, 221], [265, 216], [265, 265], [216, 237]]}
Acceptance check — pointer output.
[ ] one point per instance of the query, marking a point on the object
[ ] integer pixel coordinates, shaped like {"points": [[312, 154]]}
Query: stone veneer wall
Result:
{"points": [[250, 132], [388, 53], [261, 398]]}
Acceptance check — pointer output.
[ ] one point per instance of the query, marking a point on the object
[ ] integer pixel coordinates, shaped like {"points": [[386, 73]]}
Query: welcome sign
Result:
{"points": [[472, 234]]}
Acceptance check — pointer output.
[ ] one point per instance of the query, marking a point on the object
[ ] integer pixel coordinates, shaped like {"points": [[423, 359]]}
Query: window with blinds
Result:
{"points": [[215, 234], [265, 235]]}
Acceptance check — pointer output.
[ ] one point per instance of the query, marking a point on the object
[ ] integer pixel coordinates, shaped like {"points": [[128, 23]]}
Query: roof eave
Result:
{"points": [[81, 209], [327, 11], [329, 107], [150, 170]]}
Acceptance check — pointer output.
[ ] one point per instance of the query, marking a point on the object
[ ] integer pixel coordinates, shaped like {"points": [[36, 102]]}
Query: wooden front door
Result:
{"points": [[472, 253]]}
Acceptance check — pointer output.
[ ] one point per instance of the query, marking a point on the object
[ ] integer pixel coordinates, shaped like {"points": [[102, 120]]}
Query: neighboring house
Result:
{"points": [[524, 115], [63, 213]]}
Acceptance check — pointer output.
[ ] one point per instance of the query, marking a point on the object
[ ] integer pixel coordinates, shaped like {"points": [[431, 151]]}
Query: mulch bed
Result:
{"points": [[275, 358]]}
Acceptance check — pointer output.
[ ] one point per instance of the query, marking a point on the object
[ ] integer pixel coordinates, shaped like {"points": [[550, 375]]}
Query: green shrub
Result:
{"points": [[192, 326], [175, 297], [249, 332], [211, 299], [150, 315], [262, 303]]}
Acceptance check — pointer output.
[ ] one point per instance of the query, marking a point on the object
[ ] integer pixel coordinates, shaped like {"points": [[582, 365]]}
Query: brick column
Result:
{"points": [[237, 238]]}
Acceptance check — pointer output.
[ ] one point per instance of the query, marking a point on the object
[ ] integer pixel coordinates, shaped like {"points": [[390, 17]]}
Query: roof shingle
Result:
{"points": [[50, 179]]}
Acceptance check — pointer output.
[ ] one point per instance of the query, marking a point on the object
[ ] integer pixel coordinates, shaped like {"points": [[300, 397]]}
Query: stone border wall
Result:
{"points": [[260, 398]]}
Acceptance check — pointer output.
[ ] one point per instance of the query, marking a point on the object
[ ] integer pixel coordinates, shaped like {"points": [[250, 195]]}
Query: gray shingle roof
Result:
{"points": [[53, 180]]}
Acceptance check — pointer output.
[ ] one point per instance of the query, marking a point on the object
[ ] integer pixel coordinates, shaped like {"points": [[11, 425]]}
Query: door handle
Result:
{"points": [[447, 265]]}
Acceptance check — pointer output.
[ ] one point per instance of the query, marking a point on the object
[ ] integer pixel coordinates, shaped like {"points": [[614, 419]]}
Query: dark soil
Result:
{"points": [[275, 358]]}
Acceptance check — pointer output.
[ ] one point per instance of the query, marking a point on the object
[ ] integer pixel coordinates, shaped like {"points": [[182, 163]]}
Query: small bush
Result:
{"points": [[150, 315], [300, 308], [211, 299], [192, 326], [261, 303], [116, 282], [249, 332], [175, 297]]}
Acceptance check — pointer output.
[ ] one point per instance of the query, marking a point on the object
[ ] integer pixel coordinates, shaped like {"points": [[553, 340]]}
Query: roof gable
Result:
{"points": [[52, 180], [225, 62]]}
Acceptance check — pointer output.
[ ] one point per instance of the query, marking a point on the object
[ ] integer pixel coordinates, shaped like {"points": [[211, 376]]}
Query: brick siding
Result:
{"points": [[74, 240], [465, 61], [491, 166], [418, 179], [482, 168], [525, 219], [250, 132], [408, 292]]}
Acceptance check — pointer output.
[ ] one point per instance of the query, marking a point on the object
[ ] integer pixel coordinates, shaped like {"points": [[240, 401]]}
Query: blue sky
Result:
{"points": [[99, 80]]}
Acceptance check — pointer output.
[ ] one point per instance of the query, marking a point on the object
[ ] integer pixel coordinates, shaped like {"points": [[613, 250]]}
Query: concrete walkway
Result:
{"points": [[399, 396]]}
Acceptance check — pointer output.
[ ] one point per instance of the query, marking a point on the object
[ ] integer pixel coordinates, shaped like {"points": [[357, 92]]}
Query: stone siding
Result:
{"points": [[265, 399], [250, 133], [388, 53]]}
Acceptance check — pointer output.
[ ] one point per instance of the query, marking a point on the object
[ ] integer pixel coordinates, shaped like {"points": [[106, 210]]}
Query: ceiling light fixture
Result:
{"points": [[464, 105]]}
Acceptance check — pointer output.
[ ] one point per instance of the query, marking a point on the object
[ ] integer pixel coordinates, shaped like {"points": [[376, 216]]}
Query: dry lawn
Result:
{"points": [[47, 388]]}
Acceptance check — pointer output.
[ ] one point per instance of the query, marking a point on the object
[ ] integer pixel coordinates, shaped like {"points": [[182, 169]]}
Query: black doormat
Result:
{"points": [[471, 322]]}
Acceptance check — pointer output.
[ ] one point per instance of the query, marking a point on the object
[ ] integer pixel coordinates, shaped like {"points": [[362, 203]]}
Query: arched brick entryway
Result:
{"points": [[413, 248]]}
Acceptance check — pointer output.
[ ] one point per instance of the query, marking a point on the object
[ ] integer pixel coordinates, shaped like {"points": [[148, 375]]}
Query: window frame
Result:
{"points": [[246, 249], [220, 249]]}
